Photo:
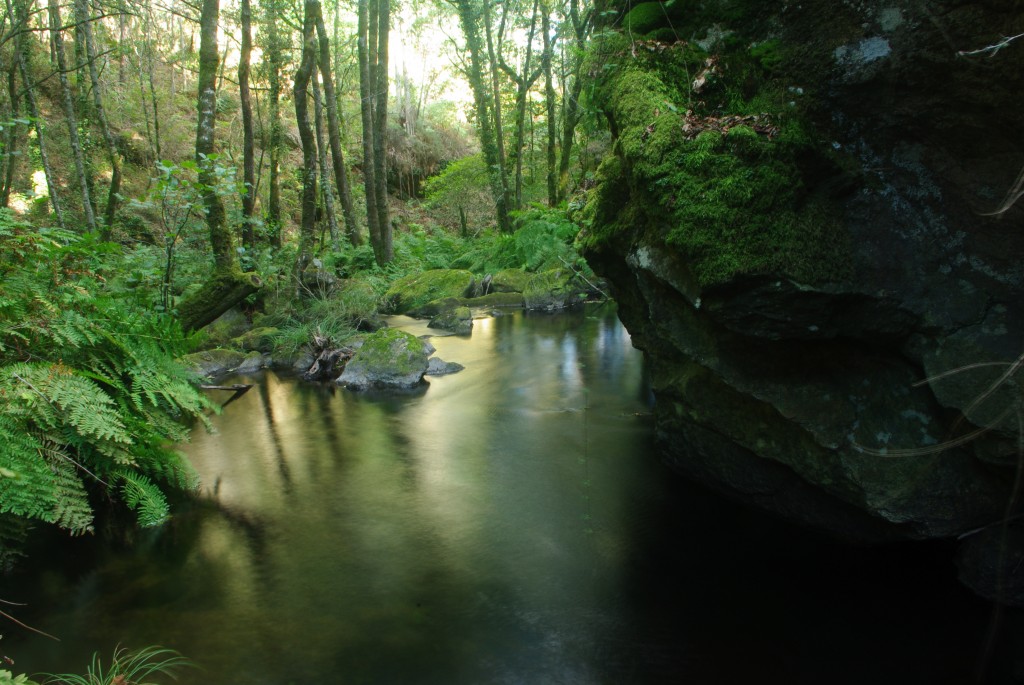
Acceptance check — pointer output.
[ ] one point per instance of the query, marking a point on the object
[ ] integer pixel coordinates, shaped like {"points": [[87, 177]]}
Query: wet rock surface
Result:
{"points": [[874, 397]]}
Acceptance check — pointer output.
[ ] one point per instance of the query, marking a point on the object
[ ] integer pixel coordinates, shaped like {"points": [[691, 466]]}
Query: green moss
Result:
{"points": [[510, 281], [732, 201], [416, 290], [400, 352], [645, 17]]}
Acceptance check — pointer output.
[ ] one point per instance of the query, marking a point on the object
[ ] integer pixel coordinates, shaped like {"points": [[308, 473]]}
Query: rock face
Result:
{"points": [[796, 222], [389, 358]]}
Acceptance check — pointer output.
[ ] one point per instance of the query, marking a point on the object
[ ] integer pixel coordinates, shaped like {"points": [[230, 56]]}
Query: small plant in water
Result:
{"points": [[126, 668]]}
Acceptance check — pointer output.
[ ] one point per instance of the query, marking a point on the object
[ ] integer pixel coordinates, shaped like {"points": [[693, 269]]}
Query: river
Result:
{"points": [[512, 523]]}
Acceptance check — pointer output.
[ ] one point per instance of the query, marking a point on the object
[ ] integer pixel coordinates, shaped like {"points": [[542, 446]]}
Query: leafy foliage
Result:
{"points": [[90, 393], [137, 668]]}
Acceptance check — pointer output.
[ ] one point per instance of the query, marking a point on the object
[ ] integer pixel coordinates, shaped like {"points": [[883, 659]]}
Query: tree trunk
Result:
{"points": [[334, 134], [18, 15], [366, 88], [275, 59], [549, 100], [482, 101], [152, 86], [228, 285], [307, 232], [499, 129], [12, 133], [82, 14], [68, 104], [581, 27], [321, 152], [523, 84], [248, 154], [380, 132], [223, 291]]}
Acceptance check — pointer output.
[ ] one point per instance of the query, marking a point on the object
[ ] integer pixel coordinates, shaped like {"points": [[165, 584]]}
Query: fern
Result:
{"points": [[90, 392], [145, 498]]}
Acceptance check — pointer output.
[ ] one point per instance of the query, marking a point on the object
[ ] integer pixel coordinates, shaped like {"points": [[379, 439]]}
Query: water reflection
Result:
{"points": [[511, 524]]}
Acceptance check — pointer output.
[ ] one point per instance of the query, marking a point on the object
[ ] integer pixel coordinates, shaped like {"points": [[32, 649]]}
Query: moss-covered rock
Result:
{"points": [[388, 358], [259, 339], [416, 290], [793, 252], [458, 320], [227, 326], [510, 281], [551, 290], [214, 363]]}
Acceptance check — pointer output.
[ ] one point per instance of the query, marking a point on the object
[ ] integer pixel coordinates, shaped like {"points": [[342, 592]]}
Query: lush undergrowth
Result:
{"points": [[91, 396]]}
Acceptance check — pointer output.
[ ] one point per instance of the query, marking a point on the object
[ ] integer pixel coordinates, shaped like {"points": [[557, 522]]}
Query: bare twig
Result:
{"points": [[27, 627], [990, 50]]}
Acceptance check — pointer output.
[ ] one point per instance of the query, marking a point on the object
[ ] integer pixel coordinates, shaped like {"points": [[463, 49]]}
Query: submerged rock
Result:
{"points": [[388, 358]]}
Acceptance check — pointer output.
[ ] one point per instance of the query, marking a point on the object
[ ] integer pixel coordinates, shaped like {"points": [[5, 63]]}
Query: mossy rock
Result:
{"points": [[734, 202], [432, 309], [416, 290], [228, 325], [510, 281], [551, 290], [215, 362], [650, 16], [388, 358], [259, 339], [458, 320], [513, 299]]}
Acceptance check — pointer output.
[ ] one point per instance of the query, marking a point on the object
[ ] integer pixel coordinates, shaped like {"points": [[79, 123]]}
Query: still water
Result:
{"points": [[511, 523]]}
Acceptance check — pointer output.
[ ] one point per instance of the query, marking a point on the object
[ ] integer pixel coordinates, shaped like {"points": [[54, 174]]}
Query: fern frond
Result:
{"points": [[144, 497], [72, 510]]}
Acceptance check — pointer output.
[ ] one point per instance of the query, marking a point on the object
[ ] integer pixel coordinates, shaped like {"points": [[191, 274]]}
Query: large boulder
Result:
{"points": [[416, 290], [217, 362], [551, 290], [388, 358], [795, 219]]}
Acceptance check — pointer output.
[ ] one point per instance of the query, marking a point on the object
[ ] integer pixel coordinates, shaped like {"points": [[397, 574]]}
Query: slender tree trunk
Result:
{"points": [[12, 133], [248, 153], [581, 27], [275, 59], [18, 15], [321, 149], [550, 102], [380, 132], [145, 106], [82, 13], [499, 129], [307, 232], [228, 285], [334, 134], [216, 219], [366, 89], [483, 104], [122, 42], [522, 91], [150, 67], [83, 107], [69, 113]]}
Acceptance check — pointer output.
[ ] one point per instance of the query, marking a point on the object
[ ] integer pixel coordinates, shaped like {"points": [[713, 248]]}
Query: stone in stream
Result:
{"points": [[388, 358]]}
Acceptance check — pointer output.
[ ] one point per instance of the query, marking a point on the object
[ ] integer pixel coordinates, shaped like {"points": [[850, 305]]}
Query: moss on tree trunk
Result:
{"points": [[224, 290]]}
